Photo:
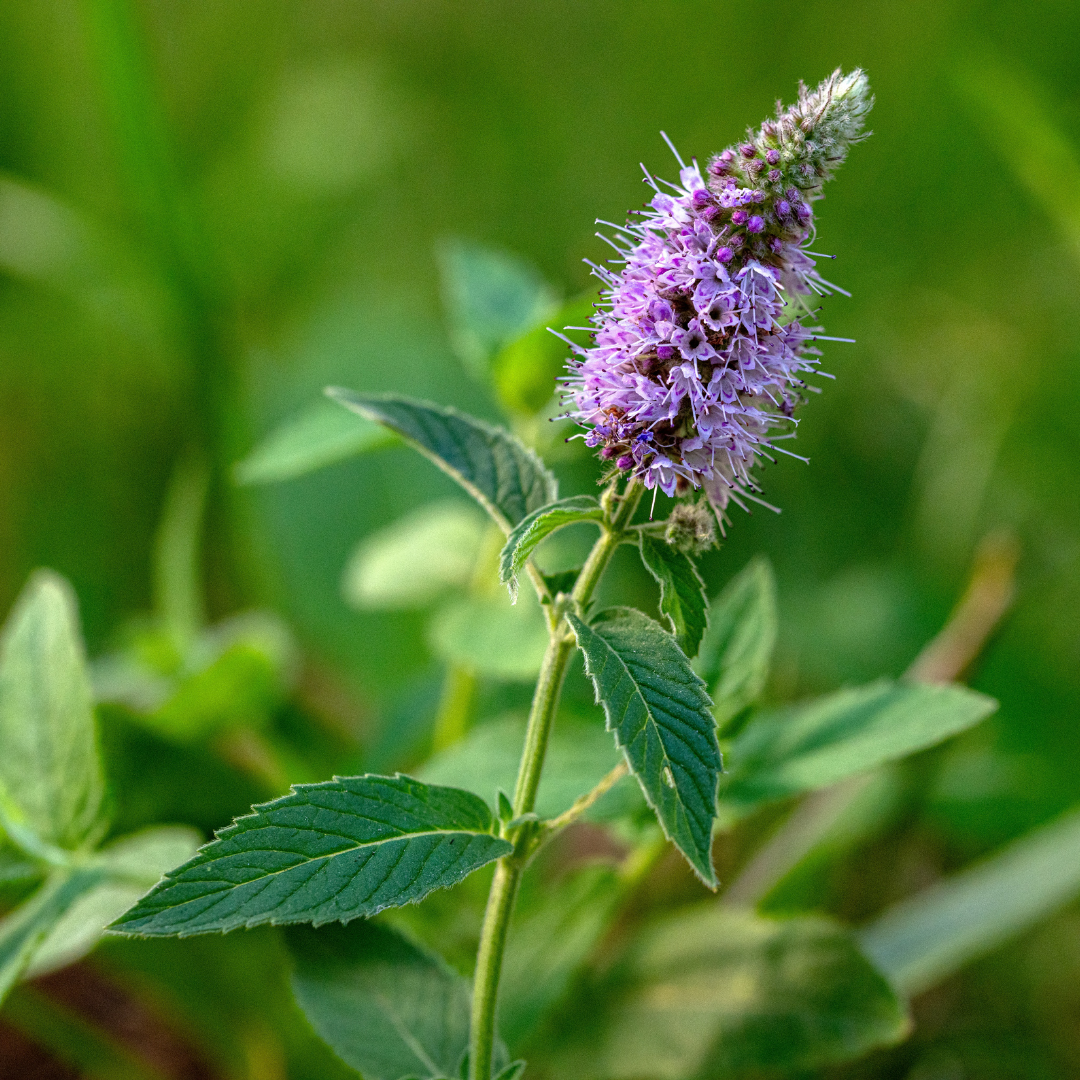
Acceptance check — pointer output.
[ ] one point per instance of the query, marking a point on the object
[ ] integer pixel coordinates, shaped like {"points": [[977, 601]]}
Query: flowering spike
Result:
{"points": [[699, 350]]}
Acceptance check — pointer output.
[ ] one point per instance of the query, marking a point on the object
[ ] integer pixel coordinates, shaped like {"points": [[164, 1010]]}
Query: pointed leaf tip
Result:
{"points": [[328, 852], [507, 478], [532, 530], [660, 714]]}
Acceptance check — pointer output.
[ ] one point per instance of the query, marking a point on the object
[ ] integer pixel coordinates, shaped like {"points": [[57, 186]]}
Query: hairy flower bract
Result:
{"points": [[702, 342]]}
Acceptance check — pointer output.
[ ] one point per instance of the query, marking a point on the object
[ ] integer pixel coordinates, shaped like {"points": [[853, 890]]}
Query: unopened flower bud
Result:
{"points": [[691, 528]]}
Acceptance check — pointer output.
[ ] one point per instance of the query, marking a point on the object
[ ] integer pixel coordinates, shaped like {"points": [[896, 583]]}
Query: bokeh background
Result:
{"points": [[210, 211]]}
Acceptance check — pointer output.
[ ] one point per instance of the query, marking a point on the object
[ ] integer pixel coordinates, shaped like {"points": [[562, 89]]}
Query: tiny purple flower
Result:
{"points": [[756, 224], [693, 342]]}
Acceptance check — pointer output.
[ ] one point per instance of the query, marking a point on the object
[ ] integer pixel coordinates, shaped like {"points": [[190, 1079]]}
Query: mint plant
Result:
{"points": [[696, 364]]}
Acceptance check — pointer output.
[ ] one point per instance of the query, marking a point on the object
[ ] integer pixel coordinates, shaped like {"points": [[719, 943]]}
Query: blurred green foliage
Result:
{"points": [[210, 211]]}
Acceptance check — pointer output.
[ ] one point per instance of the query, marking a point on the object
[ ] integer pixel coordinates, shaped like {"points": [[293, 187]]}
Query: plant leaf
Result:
{"points": [[386, 1007], [660, 714], [411, 562], [132, 866], [531, 530], [490, 637], [319, 436], [502, 474], [682, 592], [525, 370], [737, 648], [50, 773], [579, 755], [45, 240], [812, 746], [717, 992], [925, 938], [324, 853], [491, 297], [23, 931]]}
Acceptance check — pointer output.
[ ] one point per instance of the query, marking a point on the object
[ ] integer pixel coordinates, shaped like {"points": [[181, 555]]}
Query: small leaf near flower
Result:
{"points": [[682, 592], [530, 531]]}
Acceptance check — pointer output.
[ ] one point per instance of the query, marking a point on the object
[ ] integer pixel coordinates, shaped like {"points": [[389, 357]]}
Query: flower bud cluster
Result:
{"points": [[691, 528], [699, 349]]}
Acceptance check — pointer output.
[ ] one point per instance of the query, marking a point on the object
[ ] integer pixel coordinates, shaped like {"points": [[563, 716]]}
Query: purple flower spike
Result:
{"points": [[692, 374]]}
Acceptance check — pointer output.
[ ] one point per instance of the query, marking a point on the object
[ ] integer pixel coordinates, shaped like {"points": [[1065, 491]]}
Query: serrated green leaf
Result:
{"points": [[502, 474], [50, 773], [661, 716], [925, 938], [737, 648], [490, 637], [531, 530], [131, 866], [23, 931], [714, 993], [512, 1071], [413, 561], [682, 592], [319, 436], [555, 929], [491, 297], [811, 746], [579, 755], [387, 1008], [526, 369], [329, 852]]}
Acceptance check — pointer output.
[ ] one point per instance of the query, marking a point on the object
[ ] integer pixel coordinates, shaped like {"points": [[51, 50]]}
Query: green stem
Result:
{"points": [[508, 872]]}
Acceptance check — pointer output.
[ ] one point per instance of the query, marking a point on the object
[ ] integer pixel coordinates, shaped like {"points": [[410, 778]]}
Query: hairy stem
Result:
{"points": [[545, 703]]}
